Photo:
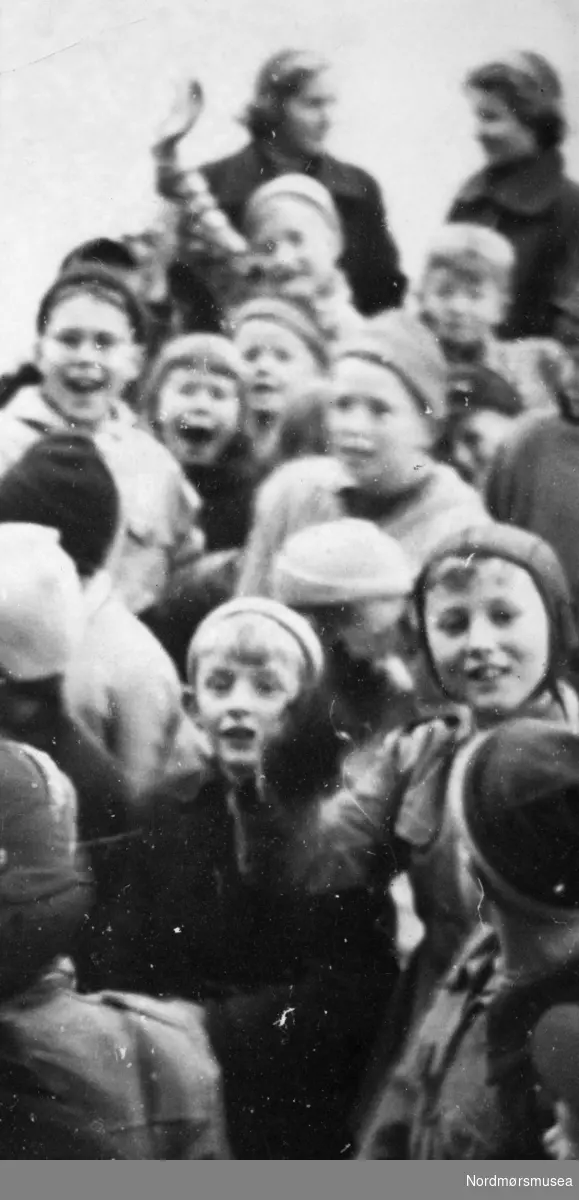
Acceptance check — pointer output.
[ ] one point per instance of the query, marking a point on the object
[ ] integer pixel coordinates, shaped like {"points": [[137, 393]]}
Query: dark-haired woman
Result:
{"points": [[289, 120], [523, 191]]}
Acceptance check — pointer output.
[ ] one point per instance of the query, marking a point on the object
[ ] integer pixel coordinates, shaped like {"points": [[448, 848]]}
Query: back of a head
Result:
{"points": [[44, 890], [63, 482], [520, 813], [41, 604]]}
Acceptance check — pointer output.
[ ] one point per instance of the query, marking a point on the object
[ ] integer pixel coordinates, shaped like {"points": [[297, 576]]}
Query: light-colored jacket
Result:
{"points": [[125, 688], [159, 507]]}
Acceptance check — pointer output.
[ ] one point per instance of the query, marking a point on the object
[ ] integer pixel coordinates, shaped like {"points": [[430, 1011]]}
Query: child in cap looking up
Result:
{"points": [[283, 350], [384, 420], [463, 296], [353, 582], [220, 921], [89, 345]]}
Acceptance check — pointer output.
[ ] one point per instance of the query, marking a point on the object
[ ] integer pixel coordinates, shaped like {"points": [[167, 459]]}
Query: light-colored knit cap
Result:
{"points": [[340, 562], [268, 610], [295, 187], [41, 603]]}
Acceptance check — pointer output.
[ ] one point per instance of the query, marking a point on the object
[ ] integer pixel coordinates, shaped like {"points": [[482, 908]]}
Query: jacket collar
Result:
{"points": [[255, 161], [526, 189]]}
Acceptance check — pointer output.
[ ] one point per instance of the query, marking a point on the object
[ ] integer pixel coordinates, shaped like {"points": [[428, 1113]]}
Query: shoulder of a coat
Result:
{"points": [[234, 174], [344, 179]]}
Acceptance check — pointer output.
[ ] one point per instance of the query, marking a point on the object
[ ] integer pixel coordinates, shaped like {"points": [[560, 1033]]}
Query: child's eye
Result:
{"points": [[267, 687], [343, 403], [453, 624], [503, 616], [378, 409], [104, 341], [220, 683], [70, 340], [282, 356]]}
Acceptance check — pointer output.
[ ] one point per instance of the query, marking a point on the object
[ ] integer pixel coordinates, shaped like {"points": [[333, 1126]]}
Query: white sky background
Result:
{"points": [[84, 83]]}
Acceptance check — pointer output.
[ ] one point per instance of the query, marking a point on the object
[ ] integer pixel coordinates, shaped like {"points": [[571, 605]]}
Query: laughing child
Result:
{"points": [[495, 622], [90, 336], [295, 238], [195, 401], [283, 350], [280, 971]]}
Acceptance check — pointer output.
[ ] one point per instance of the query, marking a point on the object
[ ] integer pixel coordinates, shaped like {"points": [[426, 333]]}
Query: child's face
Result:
{"points": [[294, 246], [474, 441], [502, 136], [488, 633], [242, 704], [199, 414], [373, 632], [375, 427], [86, 355], [276, 360], [461, 309]]}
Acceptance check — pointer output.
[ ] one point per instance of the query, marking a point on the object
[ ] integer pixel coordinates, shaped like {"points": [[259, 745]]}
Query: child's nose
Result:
{"points": [[240, 698], [481, 634]]}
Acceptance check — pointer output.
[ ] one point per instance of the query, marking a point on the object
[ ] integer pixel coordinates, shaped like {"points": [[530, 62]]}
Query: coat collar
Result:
{"points": [[253, 165], [527, 189]]}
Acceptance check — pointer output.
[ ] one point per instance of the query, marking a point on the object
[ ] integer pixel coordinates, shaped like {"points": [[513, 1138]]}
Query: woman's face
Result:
{"points": [[307, 118], [502, 136]]}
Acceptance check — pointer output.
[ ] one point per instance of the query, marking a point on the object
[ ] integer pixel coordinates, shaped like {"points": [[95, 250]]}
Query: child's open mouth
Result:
{"points": [[83, 385], [264, 417], [239, 737], [196, 436], [486, 673]]}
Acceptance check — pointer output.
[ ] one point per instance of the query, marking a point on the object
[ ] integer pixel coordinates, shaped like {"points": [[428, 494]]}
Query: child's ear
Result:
{"points": [[189, 701]]}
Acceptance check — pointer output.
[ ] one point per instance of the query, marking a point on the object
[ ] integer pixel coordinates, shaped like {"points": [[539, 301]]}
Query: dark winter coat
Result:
{"points": [[226, 489], [536, 208], [534, 483], [370, 261], [295, 983]]}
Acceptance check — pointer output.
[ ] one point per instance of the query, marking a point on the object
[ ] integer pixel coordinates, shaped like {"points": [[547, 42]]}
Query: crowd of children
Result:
{"points": [[289, 756]]}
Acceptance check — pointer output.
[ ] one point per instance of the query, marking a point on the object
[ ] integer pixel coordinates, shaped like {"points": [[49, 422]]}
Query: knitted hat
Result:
{"points": [[555, 1053], [478, 388], [472, 250], [104, 285], [520, 813], [525, 550], [43, 892], [202, 351], [41, 604], [533, 86], [294, 315], [400, 343], [270, 610], [62, 481], [295, 187], [340, 562]]}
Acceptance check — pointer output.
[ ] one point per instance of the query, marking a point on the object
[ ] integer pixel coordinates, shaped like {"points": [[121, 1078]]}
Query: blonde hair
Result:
{"points": [[246, 638], [471, 250]]}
